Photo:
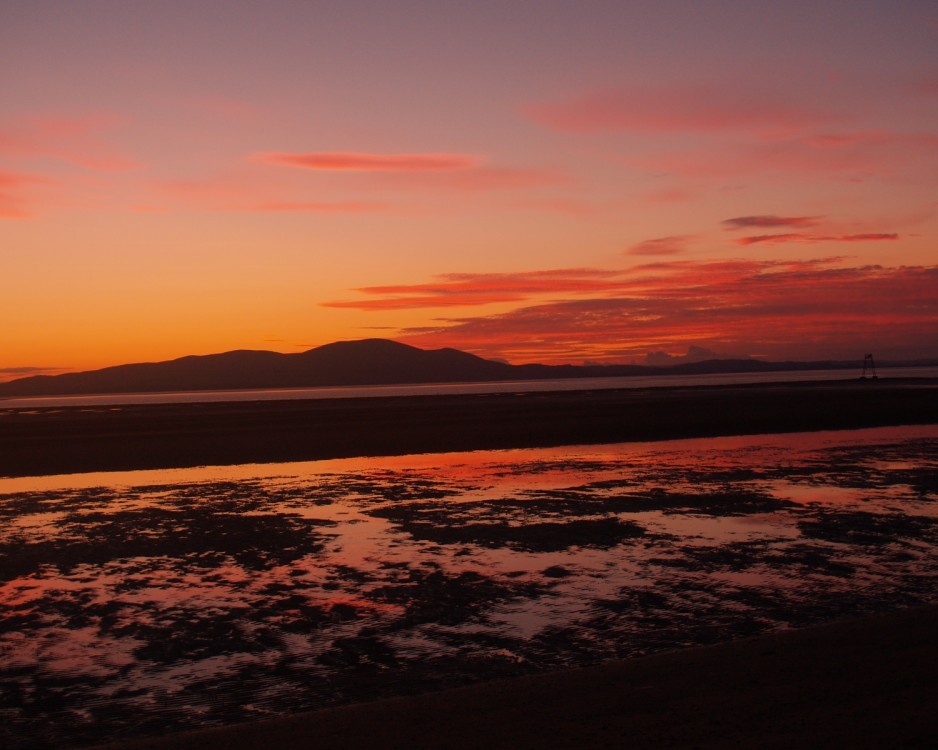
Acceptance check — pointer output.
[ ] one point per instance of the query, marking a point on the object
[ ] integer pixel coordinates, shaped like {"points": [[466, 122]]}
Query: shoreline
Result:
{"points": [[861, 683], [64, 440]]}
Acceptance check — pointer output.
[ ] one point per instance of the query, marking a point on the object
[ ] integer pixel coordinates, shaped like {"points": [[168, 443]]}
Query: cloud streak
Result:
{"points": [[777, 239], [766, 221], [674, 109], [469, 290], [14, 203], [422, 171], [776, 309], [661, 246], [854, 156], [353, 161], [79, 141], [248, 192]]}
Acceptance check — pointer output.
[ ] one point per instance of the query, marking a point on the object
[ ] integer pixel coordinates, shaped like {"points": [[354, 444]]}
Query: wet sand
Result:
{"points": [[860, 684], [80, 439], [137, 605], [864, 683]]}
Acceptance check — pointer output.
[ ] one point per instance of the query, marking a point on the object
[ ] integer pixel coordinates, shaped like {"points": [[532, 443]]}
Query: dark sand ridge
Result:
{"points": [[859, 684], [81, 439]]}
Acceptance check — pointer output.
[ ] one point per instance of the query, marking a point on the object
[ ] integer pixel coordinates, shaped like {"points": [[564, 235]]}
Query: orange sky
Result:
{"points": [[532, 181]]}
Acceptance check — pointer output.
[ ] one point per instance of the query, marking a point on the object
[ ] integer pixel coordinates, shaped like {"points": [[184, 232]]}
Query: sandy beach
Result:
{"points": [[80, 439], [860, 684]]}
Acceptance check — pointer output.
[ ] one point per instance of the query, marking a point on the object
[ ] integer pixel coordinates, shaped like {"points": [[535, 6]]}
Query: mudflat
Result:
{"points": [[860, 684], [856, 683], [77, 439]]}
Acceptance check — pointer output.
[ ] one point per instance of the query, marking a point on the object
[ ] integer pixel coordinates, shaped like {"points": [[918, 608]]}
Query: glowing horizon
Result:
{"points": [[543, 182]]}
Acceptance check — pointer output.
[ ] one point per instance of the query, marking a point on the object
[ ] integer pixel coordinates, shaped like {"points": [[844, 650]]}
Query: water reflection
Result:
{"points": [[142, 602]]}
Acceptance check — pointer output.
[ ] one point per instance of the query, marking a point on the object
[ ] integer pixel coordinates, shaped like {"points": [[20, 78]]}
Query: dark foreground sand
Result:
{"points": [[73, 439], [861, 684]]}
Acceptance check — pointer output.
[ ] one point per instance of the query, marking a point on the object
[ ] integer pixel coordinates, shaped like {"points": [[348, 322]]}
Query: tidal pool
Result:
{"points": [[139, 603]]}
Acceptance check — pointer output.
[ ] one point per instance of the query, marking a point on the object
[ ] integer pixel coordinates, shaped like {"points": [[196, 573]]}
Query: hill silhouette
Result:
{"points": [[368, 362], [343, 363]]}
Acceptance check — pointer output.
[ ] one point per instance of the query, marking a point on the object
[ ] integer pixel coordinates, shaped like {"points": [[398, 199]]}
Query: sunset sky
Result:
{"points": [[531, 181]]}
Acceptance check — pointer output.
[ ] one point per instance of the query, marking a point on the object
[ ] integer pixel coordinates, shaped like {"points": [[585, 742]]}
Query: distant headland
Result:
{"points": [[352, 363]]}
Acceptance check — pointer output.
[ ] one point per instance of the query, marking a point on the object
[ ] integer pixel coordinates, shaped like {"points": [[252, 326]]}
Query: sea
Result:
{"points": [[137, 604], [440, 389]]}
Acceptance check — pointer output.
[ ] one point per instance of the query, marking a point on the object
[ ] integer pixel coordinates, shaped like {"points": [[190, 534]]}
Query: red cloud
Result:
{"points": [[775, 239], [746, 222], [454, 290], [674, 109], [799, 310], [362, 162], [415, 301], [661, 246]]}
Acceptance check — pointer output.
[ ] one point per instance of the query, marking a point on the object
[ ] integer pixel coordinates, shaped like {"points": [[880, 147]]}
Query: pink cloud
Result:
{"points": [[251, 189], [366, 162], [661, 246], [429, 171], [80, 141], [855, 156], [783, 310], [674, 109], [775, 239], [14, 202], [748, 222]]}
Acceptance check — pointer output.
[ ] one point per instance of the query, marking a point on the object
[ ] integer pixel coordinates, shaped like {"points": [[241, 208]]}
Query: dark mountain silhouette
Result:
{"points": [[344, 363], [369, 362]]}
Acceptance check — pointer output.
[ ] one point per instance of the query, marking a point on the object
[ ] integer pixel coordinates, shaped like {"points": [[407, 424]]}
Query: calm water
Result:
{"points": [[144, 602], [436, 389]]}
